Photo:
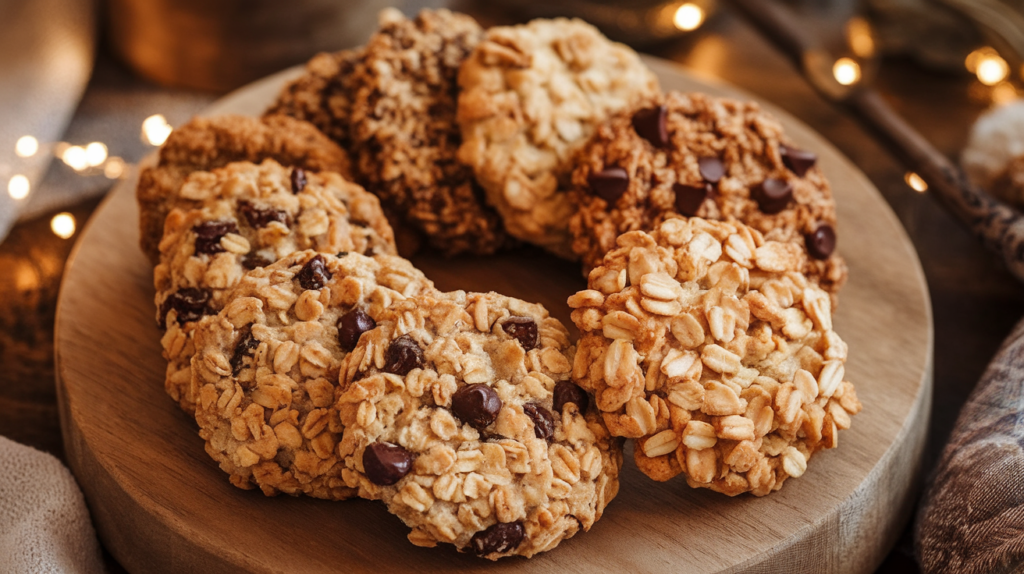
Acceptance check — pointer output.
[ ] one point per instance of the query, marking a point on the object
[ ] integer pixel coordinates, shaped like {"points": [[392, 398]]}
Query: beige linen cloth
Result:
{"points": [[44, 524]]}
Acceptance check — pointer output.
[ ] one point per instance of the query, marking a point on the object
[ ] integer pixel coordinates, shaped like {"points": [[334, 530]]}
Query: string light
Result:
{"points": [[688, 17], [114, 168], [75, 157], [18, 187], [915, 182], [95, 154], [63, 225], [992, 69], [26, 146], [155, 130], [846, 71]]}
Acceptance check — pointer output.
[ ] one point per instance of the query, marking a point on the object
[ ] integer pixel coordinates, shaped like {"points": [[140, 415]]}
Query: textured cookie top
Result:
{"points": [[250, 216], [459, 414], [266, 367], [204, 144], [706, 343], [692, 154], [532, 95]]}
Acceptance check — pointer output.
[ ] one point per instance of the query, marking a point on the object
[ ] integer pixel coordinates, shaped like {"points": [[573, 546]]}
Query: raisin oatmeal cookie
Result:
{"points": [[251, 216], [204, 144], [405, 137], [266, 367], [531, 96], [705, 343], [696, 155], [459, 414]]}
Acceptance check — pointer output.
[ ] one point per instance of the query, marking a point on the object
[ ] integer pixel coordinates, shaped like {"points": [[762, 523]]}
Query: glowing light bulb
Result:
{"points": [[114, 168], [975, 57], [688, 17], [95, 154], [915, 182], [76, 157], [26, 146], [992, 69], [846, 71], [63, 225], [155, 130], [18, 187]]}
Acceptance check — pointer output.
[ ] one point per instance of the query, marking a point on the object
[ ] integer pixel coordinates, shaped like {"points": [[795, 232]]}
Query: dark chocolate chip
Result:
{"points": [[501, 537], [245, 347], [314, 274], [298, 180], [403, 355], [797, 160], [689, 198], [609, 184], [386, 463], [252, 261], [651, 124], [258, 217], [476, 404], [208, 235], [368, 252], [351, 326], [522, 329], [567, 392], [543, 421], [773, 195], [190, 303], [341, 254], [711, 169], [821, 242]]}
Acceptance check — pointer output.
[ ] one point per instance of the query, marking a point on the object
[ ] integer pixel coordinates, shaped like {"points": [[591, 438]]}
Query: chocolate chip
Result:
{"points": [[609, 184], [258, 217], [341, 254], [314, 274], [689, 198], [252, 261], [773, 195], [821, 242], [711, 169], [476, 404], [543, 421], [245, 347], [208, 235], [522, 329], [190, 304], [351, 326], [368, 252], [567, 392], [651, 124], [386, 463], [298, 180], [501, 537], [798, 160], [403, 355]]}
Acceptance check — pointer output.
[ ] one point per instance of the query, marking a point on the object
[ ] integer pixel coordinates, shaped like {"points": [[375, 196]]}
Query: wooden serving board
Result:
{"points": [[161, 505]]}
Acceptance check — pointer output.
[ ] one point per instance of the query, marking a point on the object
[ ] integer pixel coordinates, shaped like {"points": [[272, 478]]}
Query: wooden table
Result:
{"points": [[975, 301]]}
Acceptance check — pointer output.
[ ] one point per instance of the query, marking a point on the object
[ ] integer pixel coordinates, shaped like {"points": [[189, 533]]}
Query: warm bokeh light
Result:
{"points": [[915, 182], [846, 71], [26, 146], [155, 130], [688, 17], [18, 187], [63, 225], [992, 69], [114, 168], [858, 35], [972, 60], [75, 157], [1003, 93], [95, 154]]}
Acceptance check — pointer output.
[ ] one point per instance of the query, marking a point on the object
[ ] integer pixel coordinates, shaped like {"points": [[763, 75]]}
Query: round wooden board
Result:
{"points": [[161, 505]]}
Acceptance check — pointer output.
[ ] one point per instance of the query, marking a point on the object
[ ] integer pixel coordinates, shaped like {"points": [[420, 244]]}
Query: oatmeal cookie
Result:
{"points": [[266, 367], [531, 96], [250, 216], [204, 144], [704, 342], [405, 137], [696, 155], [459, 414]]}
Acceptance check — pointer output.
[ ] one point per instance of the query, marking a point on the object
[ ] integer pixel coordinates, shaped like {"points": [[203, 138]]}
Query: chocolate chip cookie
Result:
{"points": [[459, 414], [531, 97], [705, 343], [266, 367]]}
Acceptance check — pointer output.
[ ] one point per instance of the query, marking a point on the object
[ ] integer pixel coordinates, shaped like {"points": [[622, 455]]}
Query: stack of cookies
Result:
{"points": [[317, 361]]}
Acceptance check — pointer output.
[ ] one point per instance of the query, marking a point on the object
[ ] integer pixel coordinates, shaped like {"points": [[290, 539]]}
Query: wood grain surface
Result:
{"points": [[161, 505]]}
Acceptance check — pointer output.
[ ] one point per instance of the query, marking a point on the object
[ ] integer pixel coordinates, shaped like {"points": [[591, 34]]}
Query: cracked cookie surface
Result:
{"points": [[706, 344], [459, 415]]}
